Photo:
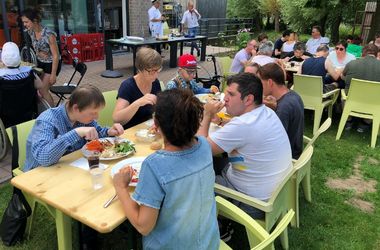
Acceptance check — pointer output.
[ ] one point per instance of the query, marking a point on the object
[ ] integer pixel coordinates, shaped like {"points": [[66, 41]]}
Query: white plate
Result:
{"points": [[203, 97], [134, 162], [134, 38], [86, 152]]}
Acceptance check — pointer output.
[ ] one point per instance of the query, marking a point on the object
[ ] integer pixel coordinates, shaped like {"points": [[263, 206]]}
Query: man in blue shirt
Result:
{"points": [[67, 128]]}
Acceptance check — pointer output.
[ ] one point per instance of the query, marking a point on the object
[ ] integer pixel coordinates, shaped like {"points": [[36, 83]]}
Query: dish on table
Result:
{"points": [[204, 98], [135, 163], [146, 135], [109, 148]]}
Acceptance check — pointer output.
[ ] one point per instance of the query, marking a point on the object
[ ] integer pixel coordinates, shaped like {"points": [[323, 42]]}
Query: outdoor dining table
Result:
{"points": [[68, 193], [292, 69], [151, 41]]}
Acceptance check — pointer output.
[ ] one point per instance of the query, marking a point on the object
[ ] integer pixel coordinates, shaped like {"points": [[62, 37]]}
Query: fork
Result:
{"points": [[109, 201]]}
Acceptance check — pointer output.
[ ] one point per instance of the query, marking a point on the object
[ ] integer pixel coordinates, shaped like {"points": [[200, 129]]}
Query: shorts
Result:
{"points": [[47, 66]]}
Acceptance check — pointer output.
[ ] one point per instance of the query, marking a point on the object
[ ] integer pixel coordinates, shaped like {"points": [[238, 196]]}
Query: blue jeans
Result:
{"points": [[192, 33]]}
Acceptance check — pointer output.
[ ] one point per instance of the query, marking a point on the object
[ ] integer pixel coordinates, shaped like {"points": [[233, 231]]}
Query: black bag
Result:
{"points": [[15, 216], [13, 224]]}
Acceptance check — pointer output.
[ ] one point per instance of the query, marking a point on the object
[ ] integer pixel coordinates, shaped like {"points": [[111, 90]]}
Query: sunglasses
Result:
{"points": [[339, 48], [153, 71]]}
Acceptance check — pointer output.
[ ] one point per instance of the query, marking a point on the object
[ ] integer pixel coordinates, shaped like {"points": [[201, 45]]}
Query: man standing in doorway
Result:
{"points": [[190, 19], [156, 22]]}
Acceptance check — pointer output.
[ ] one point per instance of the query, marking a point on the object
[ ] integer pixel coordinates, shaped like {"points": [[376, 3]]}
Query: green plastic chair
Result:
{"points": [[275, 208], [362, 101], [301, 176], [105, 116], [258, 237], [310, 141], [310, 88]]}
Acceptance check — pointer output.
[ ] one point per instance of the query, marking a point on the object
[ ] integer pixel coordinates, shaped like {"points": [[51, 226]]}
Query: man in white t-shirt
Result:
{"points": [[155, 19], [256, 142], [190, 20], [316, 40], [242, 57], [264, 55]]}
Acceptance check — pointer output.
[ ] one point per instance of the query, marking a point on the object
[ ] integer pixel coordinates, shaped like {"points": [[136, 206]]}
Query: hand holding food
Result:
{"points": [[212, 107], [122, 178], [88, 133], [116, 130], [147, 99], [214, 89], [270, 102]]}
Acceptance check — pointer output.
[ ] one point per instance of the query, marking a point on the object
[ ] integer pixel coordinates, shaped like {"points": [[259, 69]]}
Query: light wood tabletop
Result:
{"points": [[68, 189]]}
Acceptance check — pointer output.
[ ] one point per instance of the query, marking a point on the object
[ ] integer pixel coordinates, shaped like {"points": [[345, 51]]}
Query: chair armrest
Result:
{"points": [[246, 199], [328, 94], [17, 172], [343, 94]]}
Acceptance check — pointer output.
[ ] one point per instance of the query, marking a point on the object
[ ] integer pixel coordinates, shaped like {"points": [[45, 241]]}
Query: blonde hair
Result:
{"points": [[147, 58]]}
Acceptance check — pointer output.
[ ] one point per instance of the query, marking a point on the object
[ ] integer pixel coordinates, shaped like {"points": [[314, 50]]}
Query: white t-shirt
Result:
{"points": [[339, 65], [240, 57], [155, 27], [190, 19], [288, 47], [263, 59], [313, 44], [259, 150]]}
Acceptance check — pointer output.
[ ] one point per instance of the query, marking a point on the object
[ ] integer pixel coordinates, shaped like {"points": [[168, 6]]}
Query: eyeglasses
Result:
{"points": [[339, 48], [191, 71], [153, 71]]}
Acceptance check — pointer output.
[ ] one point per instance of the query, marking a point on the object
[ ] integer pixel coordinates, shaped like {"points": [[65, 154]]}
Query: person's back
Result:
{"points": [[187, 216], [366, 68], [314, 66]]}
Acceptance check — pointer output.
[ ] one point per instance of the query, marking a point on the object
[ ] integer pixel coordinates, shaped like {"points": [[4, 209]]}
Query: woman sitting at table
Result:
{"points": [[336, 61], [67, 128], [137, 94], [173, 205]]}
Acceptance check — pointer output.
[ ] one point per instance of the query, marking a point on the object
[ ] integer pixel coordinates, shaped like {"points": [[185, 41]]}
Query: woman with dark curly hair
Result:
{"points": [[173, 205]]}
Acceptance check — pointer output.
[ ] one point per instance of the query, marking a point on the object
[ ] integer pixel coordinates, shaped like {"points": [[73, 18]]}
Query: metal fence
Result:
{"points": [[227, 27]]}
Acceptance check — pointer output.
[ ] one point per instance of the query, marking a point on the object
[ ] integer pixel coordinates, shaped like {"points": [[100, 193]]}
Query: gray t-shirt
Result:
{"points": [[290, 110], [239, 58]]}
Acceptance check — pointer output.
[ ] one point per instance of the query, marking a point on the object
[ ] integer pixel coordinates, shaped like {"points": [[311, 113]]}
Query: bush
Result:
{"points": [[242, 38]]}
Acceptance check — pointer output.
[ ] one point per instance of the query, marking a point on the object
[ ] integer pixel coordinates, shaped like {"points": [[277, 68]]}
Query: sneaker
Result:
{"points": [[226, 232], [348, 126], [362, 128]]}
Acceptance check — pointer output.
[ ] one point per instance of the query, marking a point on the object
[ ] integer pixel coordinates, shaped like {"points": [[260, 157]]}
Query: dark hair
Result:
{"points": [[178, 113], [262, 36], [299, 46], [377, 35], [286, 33], [248, 84], [356, 40], [33, 15], [272, 71], [370, 49], [343, 43], [86, 96], [349, 37], [323, 47], [317, 27], [147, 58]]}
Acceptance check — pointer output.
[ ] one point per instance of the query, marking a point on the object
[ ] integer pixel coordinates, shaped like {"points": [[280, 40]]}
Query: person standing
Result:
{"points": [[44, 43], [155, 19], [316, 40], [190, 19]]}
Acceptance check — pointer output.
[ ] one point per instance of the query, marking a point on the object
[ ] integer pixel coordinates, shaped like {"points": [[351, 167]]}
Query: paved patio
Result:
{"points": [[123, 63]]}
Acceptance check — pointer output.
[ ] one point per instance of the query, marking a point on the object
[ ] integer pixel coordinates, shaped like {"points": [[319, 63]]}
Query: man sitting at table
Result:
{"points": [[316, 40], [255, 140], [264, 54], [187, 69], [242, 57], [287, 104], [67, 128]]}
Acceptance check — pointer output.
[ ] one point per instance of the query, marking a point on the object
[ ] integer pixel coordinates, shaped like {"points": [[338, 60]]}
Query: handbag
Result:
{"points": [[13, 223], [14, 220]]}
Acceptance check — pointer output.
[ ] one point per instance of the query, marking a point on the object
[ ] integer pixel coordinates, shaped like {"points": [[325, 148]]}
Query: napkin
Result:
{"points": [[83, 164]]}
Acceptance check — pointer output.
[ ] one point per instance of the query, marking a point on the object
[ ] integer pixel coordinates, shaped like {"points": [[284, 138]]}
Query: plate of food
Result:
{"points": [[162, 38], [109, 148], [204, 98], [135, 163]]}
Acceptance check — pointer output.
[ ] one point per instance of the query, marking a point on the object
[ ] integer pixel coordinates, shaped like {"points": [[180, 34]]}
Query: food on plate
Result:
{"points": [[146, 135], [109, 148], [155, 145]]}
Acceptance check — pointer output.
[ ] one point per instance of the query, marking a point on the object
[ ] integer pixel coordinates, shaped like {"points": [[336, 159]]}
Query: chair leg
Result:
{"points": [[375, 131], [64, 231], [284, 239], [317, 119], [342, 122], [33, 206], [306, 185], [294, 202]]}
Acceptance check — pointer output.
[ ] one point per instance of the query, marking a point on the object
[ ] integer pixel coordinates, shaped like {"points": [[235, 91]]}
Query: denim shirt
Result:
{"points": [[190, 85], [181, 185], [53, 136]]}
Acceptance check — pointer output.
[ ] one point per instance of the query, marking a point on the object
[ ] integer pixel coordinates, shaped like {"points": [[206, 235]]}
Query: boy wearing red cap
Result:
{"points": [[187, 69]]}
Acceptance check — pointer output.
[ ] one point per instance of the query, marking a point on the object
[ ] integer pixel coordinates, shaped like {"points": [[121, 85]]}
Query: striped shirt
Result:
{"points": [[19, 73], [53, 136]]}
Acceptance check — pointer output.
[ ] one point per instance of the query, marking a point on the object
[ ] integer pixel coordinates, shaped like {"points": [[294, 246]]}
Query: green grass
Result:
{"points": [[326, 223]]}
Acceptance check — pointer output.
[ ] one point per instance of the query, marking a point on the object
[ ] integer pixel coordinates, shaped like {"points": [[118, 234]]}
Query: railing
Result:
{"points": [[226, 27]]}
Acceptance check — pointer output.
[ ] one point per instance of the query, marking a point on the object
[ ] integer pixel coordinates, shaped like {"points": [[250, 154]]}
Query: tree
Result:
{"points": [[375, 24], [272, 8]]}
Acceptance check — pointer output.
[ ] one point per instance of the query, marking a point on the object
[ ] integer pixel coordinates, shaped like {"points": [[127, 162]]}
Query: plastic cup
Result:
{"points": [[97, 178], [93, 160]]}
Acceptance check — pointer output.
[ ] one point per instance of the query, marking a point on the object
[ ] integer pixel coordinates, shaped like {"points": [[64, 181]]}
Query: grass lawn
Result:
{"points": [[329, 222]]}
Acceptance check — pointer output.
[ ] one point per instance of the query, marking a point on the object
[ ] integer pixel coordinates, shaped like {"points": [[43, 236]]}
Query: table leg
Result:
{"points": [[173, 55], [181, 49], [110, 73], [203, 49], [64, 234]]}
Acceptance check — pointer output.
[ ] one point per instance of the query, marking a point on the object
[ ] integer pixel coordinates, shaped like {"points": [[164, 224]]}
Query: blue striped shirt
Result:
{"points": [[53, 136]]}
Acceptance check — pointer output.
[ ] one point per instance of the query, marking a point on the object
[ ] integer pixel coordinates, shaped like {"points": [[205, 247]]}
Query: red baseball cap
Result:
{"points": [[187, 61]]}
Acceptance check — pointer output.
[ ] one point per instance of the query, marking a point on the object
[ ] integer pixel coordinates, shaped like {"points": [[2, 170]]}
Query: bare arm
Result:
{"points": [[331, 70], [55, 55]]}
